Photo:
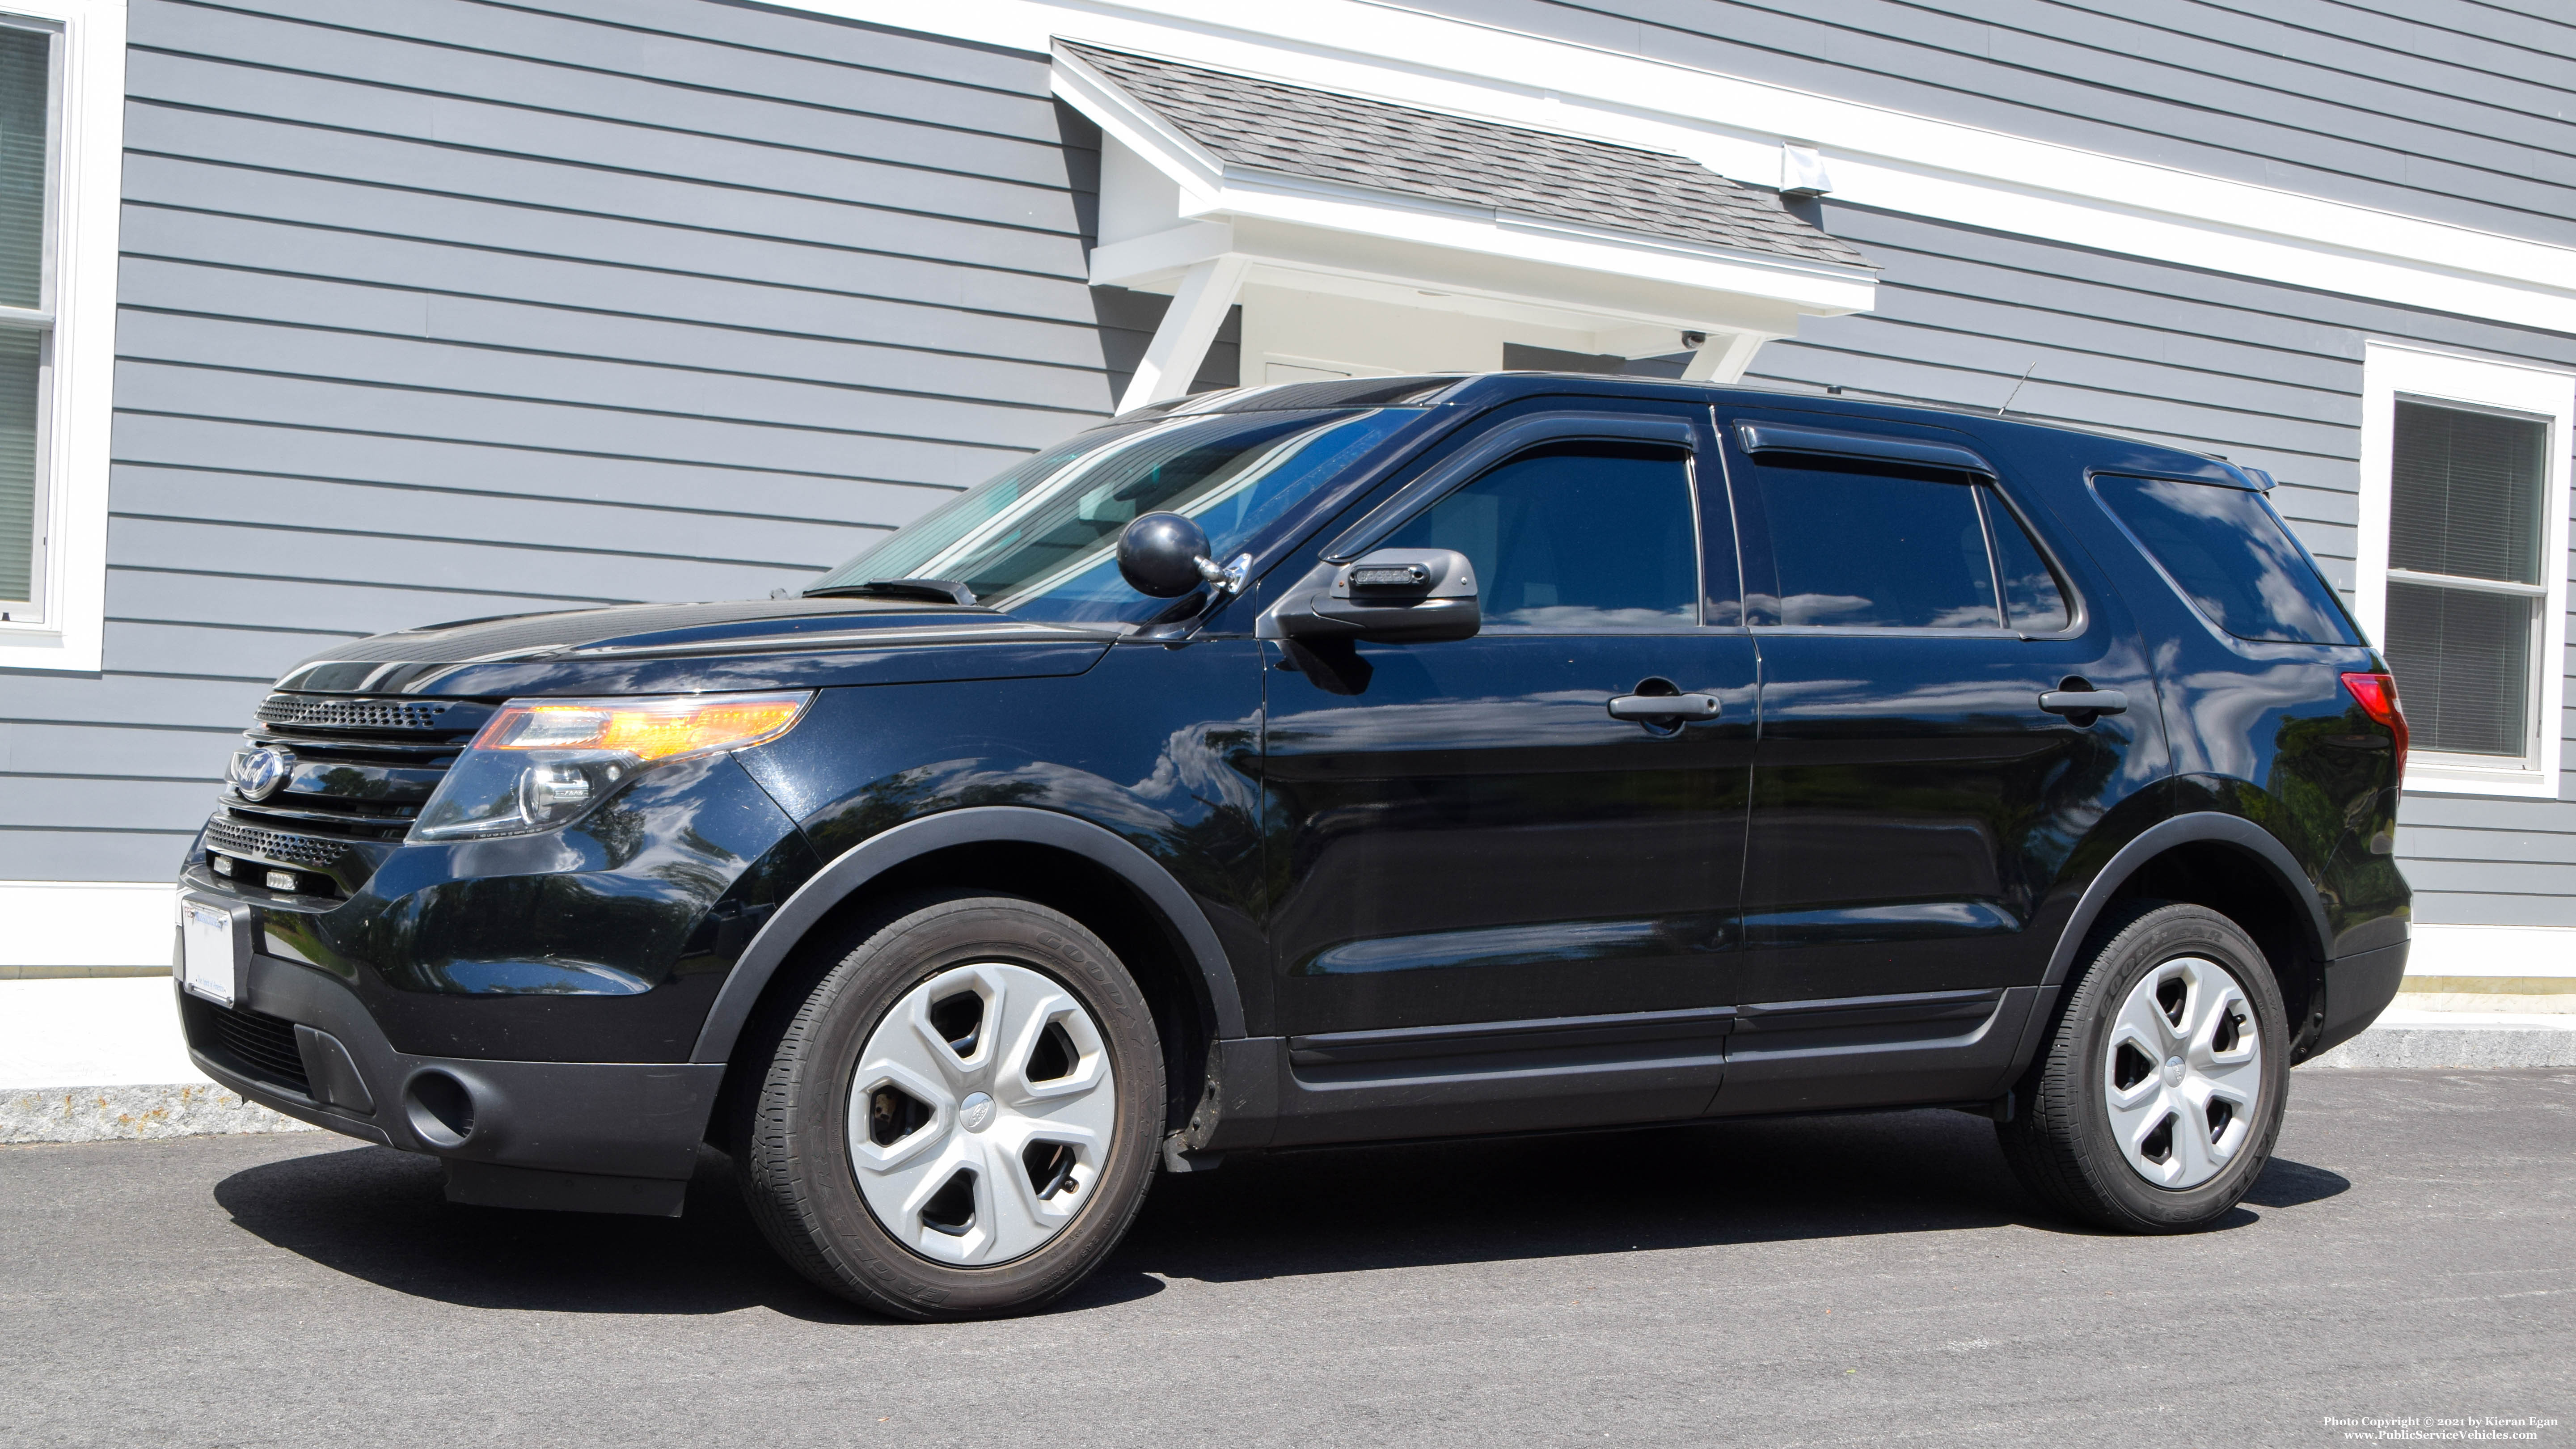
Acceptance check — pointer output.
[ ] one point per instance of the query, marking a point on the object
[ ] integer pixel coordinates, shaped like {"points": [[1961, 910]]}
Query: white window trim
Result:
{"points": [[2393, 370], [89, 148]]}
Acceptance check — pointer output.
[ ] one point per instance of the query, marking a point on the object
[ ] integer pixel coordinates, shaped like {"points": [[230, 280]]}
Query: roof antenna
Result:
{"points": [[2016, 392]]}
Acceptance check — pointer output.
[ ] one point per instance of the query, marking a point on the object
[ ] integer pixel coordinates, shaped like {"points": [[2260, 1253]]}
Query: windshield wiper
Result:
{"points": [[938, 591]]}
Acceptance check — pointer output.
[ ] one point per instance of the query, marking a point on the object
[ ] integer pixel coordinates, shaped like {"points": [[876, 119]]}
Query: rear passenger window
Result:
{"points": [[1871, 549], [2227, 551], [1596, 536], [2033, 598]]}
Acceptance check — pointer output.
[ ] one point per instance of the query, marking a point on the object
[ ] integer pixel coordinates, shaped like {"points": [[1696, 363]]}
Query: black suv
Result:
{"points": [[1330, 763]]}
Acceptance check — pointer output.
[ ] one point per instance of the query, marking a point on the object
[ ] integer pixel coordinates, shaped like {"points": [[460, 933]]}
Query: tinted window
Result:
{"points": [[1885, 550], [2033, 598], [2231, 556], [1588, 538], [1040, 539]]}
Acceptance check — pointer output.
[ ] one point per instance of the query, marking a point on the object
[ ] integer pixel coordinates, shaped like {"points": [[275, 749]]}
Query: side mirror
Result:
{"points": [[1391, 596], [1165, 555], [1160, 555]]}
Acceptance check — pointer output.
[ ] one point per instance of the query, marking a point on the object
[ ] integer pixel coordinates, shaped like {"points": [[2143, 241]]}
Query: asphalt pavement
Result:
{"points": [[1879, 1279]]}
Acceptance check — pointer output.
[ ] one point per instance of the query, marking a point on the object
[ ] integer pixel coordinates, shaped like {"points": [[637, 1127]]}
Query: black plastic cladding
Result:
{"points": [[1445, 859]]}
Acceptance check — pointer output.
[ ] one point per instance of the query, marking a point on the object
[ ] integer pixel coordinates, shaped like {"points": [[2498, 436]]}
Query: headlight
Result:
{"points": [[542, 763]]}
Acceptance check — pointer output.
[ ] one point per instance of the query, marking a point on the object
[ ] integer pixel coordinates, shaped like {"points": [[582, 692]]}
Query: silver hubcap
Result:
{"points": [[2183, 1072], [981, 1114]]}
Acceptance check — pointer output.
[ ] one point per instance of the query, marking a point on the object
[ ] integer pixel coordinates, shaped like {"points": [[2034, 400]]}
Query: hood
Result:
{"points": [[690, 648]]}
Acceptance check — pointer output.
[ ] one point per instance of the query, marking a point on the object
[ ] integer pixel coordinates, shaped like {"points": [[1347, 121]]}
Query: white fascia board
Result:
{"points": [[1300, 201], [1192, 167], [2243, 246], [1879, 157], [71, 636], [1476, 278], [1654, 337]]}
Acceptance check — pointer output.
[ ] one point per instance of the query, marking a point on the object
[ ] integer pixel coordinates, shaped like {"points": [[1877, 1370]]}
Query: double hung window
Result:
{"points": [[2464, 579], [29, 85], [2462, 561]]}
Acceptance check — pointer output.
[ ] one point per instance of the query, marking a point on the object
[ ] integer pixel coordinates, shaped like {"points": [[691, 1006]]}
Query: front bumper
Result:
{"points": [[588, 1136]]}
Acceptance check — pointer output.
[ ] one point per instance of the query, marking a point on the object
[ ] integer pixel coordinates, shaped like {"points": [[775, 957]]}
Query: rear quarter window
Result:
{"points": [[2230, 555]]}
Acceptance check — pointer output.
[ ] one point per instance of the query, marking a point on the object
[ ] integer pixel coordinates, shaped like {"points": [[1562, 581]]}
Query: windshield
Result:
{"points": [[1040, 540]]}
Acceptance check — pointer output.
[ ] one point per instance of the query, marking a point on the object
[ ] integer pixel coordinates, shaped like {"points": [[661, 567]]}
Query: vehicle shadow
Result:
{"points": [[381, 1215], [1750, 1181]]}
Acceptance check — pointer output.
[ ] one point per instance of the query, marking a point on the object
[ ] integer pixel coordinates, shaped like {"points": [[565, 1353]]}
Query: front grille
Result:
{"points": [[230, 837], [364, 768], [263, 1045], [346, 714]]}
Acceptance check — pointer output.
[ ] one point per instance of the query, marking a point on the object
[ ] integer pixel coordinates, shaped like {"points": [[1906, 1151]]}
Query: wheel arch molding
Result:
{"points": [[2109, 884], [855, 869]]}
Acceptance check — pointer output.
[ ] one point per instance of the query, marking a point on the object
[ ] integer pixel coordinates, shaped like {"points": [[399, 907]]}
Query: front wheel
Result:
{"points": [[2157, 1101], [961, 1119]]}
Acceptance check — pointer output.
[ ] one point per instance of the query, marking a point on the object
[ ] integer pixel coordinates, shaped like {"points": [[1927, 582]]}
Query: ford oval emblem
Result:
{"points": [[258, 774]]}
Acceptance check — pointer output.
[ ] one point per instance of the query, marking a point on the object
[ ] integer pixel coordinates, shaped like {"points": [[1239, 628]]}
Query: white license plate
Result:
{"points": [[206, 951]]}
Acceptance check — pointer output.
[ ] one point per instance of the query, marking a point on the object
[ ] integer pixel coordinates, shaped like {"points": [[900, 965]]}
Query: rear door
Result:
{"points": [[1913, 799]]}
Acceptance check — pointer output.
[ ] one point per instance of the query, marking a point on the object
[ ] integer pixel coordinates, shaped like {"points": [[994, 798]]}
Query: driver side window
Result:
{"points": [[1574, 539]]}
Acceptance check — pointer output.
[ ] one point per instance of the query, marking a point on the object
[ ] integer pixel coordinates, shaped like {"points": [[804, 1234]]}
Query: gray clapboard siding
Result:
{"points": [[354, 555], [318, 58], [2436, 110], [91, 852], [118, 697], [443, 309], [35, 801], [692, 489], [133, 751], [2432, 843], [187, 93], [346, 309], [229, 597], [159, 646], [599, 380], [837, 263], [538, 422], [251, 143], [457, 40], [180, 494], [2267, 375], [217, 248]]}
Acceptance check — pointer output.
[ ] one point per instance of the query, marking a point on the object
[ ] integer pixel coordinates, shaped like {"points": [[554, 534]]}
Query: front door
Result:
{"points": [[1471, 836]]}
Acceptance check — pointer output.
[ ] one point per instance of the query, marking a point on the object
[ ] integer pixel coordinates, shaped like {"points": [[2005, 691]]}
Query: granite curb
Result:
{"points": [[132, 1113]]}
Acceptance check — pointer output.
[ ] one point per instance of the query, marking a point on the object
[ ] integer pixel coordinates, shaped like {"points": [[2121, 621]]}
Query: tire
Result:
{"points": [[865, 1118], [2087, 1142]]}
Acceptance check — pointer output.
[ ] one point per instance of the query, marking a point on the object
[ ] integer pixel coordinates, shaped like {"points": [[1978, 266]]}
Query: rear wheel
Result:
{"points": [[961, 1118], [2156, 1103]]}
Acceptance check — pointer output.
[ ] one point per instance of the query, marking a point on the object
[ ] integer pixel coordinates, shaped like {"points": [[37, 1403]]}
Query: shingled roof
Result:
{"points": [[1265, 125]]}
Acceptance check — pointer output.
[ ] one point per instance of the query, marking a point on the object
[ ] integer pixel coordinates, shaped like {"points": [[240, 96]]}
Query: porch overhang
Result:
{"points": [[1180, 217]]}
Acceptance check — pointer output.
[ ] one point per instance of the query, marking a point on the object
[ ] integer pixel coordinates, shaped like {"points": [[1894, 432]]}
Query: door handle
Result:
{"points": [[1664, 706], [2084, 701]]}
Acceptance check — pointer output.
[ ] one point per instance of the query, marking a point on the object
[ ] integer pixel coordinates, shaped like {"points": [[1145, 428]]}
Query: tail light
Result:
{"points": [[2377, 696]]}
